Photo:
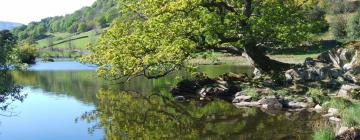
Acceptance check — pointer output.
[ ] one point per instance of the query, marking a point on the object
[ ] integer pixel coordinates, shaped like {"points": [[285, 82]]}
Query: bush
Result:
{"points": [[354, 26], [27, 53]]}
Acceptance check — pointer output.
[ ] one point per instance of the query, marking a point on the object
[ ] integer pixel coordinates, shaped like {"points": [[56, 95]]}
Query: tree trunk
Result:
{"points": [[263, 63]]}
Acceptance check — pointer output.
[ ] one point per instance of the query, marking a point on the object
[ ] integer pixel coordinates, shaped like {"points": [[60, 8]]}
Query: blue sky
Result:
{"points": [[25, 11]]}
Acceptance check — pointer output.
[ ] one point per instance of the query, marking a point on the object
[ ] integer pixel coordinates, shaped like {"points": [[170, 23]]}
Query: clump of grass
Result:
{"points": [[318, 95], [324, 134], [351, 115], [338, 103], [252, 93]]}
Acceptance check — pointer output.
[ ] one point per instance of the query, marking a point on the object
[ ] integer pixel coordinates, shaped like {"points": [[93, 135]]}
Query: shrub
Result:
{"points": [[339, 27]]}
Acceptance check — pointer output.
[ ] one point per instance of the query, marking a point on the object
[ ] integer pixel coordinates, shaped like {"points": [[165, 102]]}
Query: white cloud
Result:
{"points": [[25, 11]]}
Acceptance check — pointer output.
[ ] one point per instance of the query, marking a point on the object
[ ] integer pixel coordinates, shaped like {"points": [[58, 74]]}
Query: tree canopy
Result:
{"points": [[155, 37]]}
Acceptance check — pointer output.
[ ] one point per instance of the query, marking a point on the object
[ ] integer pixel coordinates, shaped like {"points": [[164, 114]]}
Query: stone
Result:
{"points": [[180, 98], [246, 104], [335, 119], [270, 103], [342, 130], [242, 98], [346, 90], [318, 108], [346, 133], [333, 111], [292, 74], [294, 104]]}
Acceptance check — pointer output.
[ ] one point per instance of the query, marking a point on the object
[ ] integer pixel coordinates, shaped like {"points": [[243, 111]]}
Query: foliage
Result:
{"points": [[7, 45], [82, 20], [154, 38], [27, 53], [324, 134]]}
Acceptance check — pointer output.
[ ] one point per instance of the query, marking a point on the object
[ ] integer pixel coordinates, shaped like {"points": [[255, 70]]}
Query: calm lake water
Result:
{"points": [[66, 101]]}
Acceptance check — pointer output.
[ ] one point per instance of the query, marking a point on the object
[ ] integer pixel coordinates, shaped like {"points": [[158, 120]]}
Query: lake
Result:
{"points": [[67, 101]]}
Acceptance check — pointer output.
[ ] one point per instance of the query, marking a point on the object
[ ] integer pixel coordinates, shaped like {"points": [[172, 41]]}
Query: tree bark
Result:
{"points": [[261, 62]]}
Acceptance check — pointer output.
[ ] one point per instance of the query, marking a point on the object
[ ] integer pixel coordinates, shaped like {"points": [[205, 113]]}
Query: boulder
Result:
{"points": [[346, 133], [334, 119], [242, 98], [347, 89], [270, 103], [294, 104], [318, 108], [180, 98], [246, 104]]}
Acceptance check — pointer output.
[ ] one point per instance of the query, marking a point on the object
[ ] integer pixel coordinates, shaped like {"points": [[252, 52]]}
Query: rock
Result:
{"points": [[335, 119], [246, 104], [257, 73], [333, 111], [346, 90], [219, 91], [318, 108], [294, 104], [346, 133], [242, 98], [292, 74], [180, 98], [342, 130], [270, 103]]}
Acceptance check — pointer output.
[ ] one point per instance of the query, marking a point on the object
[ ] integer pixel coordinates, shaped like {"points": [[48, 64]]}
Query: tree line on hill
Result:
{"points": [[99, 15]]}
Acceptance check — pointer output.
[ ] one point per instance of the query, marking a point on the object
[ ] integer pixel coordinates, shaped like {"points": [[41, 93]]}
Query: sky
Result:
{"points": [[25, 11]]}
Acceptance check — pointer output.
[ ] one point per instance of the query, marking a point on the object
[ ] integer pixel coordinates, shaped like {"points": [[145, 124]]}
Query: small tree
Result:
{"points": [[338, 27]]}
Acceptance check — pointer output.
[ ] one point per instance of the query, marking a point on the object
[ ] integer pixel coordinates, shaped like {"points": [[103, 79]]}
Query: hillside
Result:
{"points": [[97, 16], [8, 25]]}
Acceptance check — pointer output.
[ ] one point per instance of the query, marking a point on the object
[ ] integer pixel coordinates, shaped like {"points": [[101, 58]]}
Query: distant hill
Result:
{"points": [[8, 25], [97, 16]]}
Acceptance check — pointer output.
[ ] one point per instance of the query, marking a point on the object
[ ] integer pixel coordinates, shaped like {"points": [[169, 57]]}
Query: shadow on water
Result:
{"points": [[128, 115], [9, 93]]}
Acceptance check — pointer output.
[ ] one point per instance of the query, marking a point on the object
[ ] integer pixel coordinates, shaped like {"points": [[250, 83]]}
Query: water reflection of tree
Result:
{"points": [[9, 92], [134, 116]]}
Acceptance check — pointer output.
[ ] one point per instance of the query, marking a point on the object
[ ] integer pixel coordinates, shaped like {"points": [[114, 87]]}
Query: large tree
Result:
{"points": [[155, 37]]}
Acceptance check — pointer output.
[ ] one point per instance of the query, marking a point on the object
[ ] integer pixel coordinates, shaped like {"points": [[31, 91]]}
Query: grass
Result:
{"points": [[324, 134], [252, 93], [64, 37], [351, 115]]}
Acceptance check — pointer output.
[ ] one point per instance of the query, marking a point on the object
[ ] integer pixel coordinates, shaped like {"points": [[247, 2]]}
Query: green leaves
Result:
{"points": [[156, 37]]}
